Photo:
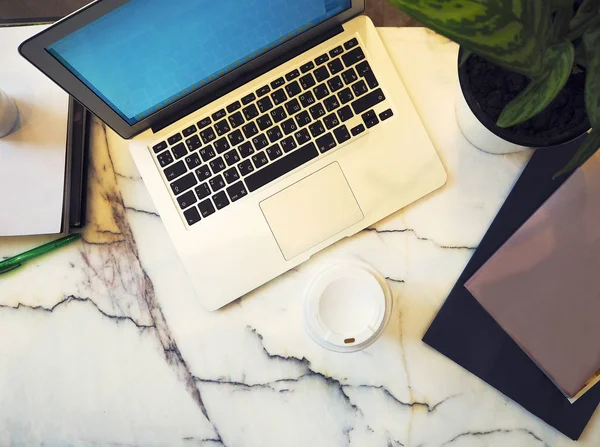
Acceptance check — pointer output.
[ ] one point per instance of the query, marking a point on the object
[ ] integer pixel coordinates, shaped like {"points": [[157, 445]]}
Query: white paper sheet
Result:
{"points": [[32, 158]]}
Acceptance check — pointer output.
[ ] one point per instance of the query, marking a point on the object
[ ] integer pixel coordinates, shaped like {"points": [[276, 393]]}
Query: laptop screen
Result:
{"points": [[147, 54]]}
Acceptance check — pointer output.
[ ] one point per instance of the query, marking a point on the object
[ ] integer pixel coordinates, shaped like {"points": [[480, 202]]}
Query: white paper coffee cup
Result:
{"points": [[8, 114], [347, 306]]}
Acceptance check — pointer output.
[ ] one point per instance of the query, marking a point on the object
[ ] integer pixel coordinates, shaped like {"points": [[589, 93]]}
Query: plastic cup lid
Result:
{"points": [[347, 307]]}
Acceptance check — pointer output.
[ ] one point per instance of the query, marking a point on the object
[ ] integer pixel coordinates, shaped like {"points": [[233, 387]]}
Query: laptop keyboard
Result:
{"points": [[270, 132]]}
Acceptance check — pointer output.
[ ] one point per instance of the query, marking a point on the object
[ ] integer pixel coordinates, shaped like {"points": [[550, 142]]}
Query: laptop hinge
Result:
{"points": [[246, 78]]}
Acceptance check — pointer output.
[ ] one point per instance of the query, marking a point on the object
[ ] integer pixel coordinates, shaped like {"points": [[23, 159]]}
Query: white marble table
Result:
{"points": [[105, 343]]}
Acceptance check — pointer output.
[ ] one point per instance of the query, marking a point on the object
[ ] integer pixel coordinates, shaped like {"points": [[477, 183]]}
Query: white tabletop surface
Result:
{"points": [[105, 343]]}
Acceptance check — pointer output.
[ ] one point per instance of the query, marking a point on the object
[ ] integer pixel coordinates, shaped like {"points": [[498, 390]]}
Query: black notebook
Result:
{"points": [[464, 332]]}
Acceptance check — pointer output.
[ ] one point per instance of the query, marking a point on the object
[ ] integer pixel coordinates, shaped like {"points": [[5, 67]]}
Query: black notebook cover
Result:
{"points": [[464, 332]]}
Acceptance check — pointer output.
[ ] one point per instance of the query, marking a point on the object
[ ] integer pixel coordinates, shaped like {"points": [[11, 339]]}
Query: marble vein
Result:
{"points": [[421, 238], [493, 432]]}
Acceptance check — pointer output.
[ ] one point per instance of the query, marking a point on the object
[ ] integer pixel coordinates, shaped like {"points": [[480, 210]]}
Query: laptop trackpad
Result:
{"points": [[311, 211]]}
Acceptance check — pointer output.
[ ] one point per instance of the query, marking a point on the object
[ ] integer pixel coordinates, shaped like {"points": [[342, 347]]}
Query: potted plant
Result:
{"points": [[529, 70]]}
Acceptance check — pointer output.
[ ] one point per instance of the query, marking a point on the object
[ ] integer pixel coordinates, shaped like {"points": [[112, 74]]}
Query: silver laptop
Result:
{"points": [[265, 131]]}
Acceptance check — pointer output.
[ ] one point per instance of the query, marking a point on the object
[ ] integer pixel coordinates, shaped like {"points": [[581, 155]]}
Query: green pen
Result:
{"points": [[16, 261]]}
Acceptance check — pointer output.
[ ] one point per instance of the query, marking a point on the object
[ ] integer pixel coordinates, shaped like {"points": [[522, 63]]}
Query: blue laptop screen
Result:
{"points": [[147, 54]]}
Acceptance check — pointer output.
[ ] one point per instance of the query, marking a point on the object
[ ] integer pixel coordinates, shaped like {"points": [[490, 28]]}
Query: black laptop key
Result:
{"points": [[316, 129], [345, 113], [368, 116], [289, 126], [371, 80], [232, 157], [260, 159], [202, 191], [221, 200], [336, 51], [260, 142], [307, 67], [231, 175], [193, 161], [250, 112], [307, 81], [292, 107], [203, 173], [248, 98], [207, 153], [274, 134], [351, 44], [175, 139], [293, 89], [321, 91], [274, 152], [326, 143], [246, 149], [360, 88], [372, 122], [358, 130], [217, 165], [236, 137], [179, 151], [159, 147], [165, 158], [349, 76], [250, 130], [233, 107], [263, 91], [321, 74], [237, 191], [321, 59], [368, 101], [236, 120], [246, 167], [206, 208], [331, 103], [345, 96], [175, 171], [218, 115], [331, 121], [192, 216], [208, 135], [221, 145], [193, 143], [278, 97], [335, 66], [186, 200], [292, 75], [353, 57], [335, 84], [307, 99], [386, 114], [303, 119], [217, 183], [302, 136], [288, 144], [264, 104], [222, 127], [189, 131], [281, 167], [264, 122], [363, 68], [341, 134], [184, 183], [277, 83], [317, 111], [278, 114]]}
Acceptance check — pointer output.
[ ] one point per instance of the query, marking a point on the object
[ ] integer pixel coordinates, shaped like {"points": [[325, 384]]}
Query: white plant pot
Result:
{"points": [[8, 114], [479, 135]]}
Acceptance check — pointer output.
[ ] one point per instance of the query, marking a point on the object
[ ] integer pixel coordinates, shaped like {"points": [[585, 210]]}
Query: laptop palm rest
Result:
{"points": [[311, 211]]}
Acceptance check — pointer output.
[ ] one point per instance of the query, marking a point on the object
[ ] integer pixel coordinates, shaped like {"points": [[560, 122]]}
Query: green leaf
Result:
{"points": [[587, 11], [541, 91], [591, 41], [588, 148], [466, 54], [560, 24], [510, 33]]}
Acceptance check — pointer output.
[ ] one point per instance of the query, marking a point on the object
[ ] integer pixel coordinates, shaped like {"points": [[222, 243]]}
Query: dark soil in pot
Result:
{"points": [[488, 88]]}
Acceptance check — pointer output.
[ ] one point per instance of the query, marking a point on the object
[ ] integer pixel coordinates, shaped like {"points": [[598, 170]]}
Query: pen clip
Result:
{"points": [[4, 270]]}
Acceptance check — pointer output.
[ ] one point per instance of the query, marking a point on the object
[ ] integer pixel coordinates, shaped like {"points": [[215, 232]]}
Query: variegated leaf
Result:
{"points": [[541, 91], [586, 12], [591, 40], [589, 147]]}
